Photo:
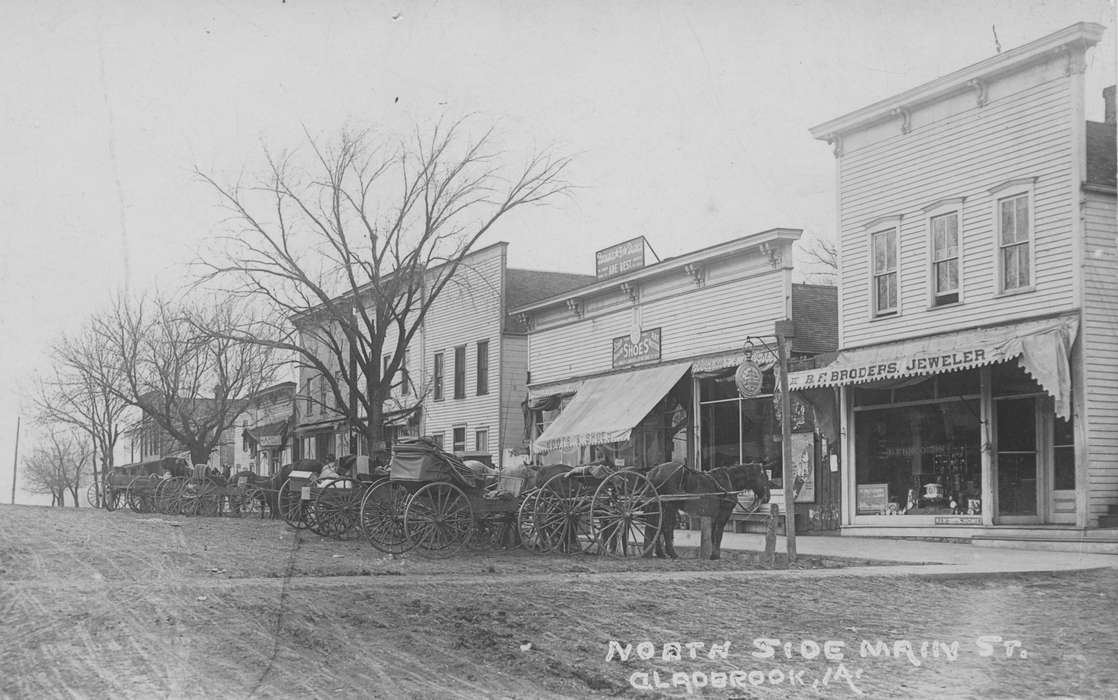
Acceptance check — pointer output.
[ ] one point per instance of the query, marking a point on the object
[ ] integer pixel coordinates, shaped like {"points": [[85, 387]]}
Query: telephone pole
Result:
{"points": [[15, 462], [784, 331]]}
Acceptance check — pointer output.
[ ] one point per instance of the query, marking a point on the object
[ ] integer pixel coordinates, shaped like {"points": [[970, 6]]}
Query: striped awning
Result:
{"points": [[1042, 348]]}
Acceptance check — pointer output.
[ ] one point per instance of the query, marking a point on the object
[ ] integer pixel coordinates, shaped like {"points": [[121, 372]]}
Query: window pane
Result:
{"points": [[952, 235], [1023, 265], [1007, 232], [878, 253], [1009, 268], [891, 250], [1022, 216]]}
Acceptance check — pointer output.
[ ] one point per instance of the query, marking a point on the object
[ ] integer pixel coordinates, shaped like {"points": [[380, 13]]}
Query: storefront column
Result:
{"points": [[986, 412], [846, 456], [1082, 449]]}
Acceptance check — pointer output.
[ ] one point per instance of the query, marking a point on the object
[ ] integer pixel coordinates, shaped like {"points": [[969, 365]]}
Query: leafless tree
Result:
{"points": [[190, 384], [76, 393], [57, 466], [819, 257], [350, 253]]}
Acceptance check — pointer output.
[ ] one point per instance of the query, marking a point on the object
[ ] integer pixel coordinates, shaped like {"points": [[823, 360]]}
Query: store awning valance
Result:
{"points": [[606, 409], [269, 435], [1041, 348]]}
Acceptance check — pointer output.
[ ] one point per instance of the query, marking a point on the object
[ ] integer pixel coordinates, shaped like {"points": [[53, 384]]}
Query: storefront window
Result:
{"points": [[1063, 449], [919, 458], [734, 430]]}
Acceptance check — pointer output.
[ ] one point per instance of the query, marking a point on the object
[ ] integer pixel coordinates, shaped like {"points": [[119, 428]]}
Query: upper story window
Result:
{"points": [[883, 247], [460, 372], [437, 377], [1015, 242], [309, 403], [944, 248], [405, 378], [482, 367]]}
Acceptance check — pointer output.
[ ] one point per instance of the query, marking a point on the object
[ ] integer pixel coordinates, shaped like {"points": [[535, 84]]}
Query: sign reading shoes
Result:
{"points": [[646, 348]]}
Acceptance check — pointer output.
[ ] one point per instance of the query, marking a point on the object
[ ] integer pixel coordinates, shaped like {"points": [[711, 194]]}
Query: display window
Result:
{"points": [[918, 446], [734, 430]]}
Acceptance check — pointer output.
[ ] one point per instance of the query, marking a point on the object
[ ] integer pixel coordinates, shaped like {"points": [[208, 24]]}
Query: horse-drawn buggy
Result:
{"points": [[137, 486], [326, 505]]}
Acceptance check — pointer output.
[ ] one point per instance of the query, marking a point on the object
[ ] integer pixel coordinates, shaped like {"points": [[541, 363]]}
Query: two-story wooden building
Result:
{"points": [[638, 367], [267, 429], [465, 372], [978, 364]]}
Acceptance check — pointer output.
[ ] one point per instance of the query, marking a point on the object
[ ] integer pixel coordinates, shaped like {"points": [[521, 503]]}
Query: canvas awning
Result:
{"points": [[1041, 347], [269, 435], [606, 409]]}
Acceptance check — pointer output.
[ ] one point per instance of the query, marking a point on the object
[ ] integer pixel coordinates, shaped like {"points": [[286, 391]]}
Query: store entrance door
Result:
{"points": [[1016, 474]]}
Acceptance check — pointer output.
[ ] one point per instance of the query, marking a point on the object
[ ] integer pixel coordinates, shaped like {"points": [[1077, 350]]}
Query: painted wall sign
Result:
{"points": [[269, 440], [621, 258], [646, 348], [958, 520], [749, 378], [872, 499]]}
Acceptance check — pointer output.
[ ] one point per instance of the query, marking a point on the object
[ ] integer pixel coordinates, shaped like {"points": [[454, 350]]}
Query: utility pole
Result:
{"points": [[785, 330], [15, 462]]}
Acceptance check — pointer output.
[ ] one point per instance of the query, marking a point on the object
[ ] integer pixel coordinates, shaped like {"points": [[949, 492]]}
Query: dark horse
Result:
{"points": [[714, 495], [271, 484]]}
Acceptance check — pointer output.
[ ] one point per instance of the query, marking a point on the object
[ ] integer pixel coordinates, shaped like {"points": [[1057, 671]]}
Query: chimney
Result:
{"points": [[1108, 99]]}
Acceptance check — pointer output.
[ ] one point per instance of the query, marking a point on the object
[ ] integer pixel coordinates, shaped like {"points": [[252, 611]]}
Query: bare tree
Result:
{"points": [[350, 253], [820, 258], [57, 466], [77, 394], [190, 384]]}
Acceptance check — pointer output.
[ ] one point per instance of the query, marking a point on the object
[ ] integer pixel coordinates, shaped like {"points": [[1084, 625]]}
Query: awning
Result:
{"points": [[1041, 347], [270, 435], [606, 409]]}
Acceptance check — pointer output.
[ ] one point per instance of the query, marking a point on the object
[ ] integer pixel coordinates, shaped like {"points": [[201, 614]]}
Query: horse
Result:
{"points": [[715, 494], [271, 484]]}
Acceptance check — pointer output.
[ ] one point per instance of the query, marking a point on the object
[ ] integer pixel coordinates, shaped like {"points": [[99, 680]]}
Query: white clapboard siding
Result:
{"points": [[1100, 350], [514, 391], [1021, 135], [468, 310], [693, 320]]}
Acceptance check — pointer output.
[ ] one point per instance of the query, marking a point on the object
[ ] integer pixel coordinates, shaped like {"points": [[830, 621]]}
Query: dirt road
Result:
{"points": [[101, 605]]}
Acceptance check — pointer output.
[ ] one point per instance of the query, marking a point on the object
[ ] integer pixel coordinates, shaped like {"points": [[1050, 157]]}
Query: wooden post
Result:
{"points": [[705, 529], [15, 462], [770, 535], [784, 331]]}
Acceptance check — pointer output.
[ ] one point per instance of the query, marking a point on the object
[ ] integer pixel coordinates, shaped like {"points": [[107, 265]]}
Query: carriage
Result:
{"points": [[137, 486], [329, 507]]}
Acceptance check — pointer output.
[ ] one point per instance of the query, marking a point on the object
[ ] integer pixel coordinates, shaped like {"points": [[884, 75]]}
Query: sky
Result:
{"points": [[687, 121]]}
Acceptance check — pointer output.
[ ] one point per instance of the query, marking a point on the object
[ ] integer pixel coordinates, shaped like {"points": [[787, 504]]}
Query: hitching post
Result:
{"points": [[785, 330]]}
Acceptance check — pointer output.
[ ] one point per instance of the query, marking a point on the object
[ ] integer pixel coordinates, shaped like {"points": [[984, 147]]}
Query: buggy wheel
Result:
{"points": [[169, 495], [525, 523], [627, 515], [381, 517], [247, 504], [93, 495], [292, 507], [495, 531], [562, 515], [207, 499], [140, 495], [438, 518], [114, 498], [336, 508]]}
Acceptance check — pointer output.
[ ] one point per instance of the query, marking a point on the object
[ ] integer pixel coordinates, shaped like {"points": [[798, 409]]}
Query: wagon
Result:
{"points": [[593, 509], [328, 507], [434, 502]]}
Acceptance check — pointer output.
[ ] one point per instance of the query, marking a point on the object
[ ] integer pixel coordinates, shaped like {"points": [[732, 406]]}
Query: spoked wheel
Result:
{"points": [[207, 499], [93, 495], [562, 515], [247, 504], [169, 495], [114, 498], [495, 531], [337, 507], [627, 515], [140, 498], [438, 518], [292, 507], [381, 517], [526, 525]]}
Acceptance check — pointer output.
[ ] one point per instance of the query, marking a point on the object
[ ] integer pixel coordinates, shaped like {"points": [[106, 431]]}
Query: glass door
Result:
{"points": [[1016, 470]]}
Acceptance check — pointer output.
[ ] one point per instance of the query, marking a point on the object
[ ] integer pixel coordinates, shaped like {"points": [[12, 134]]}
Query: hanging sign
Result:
{"points": [[749, 378]]}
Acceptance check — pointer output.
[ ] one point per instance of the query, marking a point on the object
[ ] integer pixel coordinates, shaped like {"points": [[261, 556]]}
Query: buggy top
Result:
{"points": [[419, 459]]}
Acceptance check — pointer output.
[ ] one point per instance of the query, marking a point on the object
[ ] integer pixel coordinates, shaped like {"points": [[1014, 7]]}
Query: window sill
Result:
{"points": [[1014, 292], [934, 307], [884, 316]]}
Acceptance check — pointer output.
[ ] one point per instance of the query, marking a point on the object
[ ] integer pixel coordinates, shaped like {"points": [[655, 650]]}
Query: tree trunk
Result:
{"points": [[199, 454], [374, 435]]}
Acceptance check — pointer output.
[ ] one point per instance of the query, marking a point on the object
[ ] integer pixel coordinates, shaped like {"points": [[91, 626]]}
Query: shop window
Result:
{"points": [[945, 258], [482, 367], [1009, 379], [1014, 242], [920, 459], [460, 372], [915, 389], [883, 246], [734, 430], [459, 435], [437, 377], [1063, 454]]}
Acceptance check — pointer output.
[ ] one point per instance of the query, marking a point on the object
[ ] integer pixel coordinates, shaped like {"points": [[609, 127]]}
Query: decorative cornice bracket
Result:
{"points": [[632, 290], [527, 321], [906, 118], [835, 141], [696, 272], [982, 95], [774, 254], [574, 304]]}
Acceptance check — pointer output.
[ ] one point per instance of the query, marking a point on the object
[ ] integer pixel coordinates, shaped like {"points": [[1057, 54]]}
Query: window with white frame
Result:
{"points": [[883, 247], [459, 437], [945, 258], [1014, 242], [481, 440]]}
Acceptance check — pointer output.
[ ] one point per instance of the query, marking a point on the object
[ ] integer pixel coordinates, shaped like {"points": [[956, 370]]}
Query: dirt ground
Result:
{"points": [[124, 605]]}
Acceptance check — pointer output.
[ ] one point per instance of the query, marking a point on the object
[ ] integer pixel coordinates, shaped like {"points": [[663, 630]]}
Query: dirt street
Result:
{"points": [[99, 605]]}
